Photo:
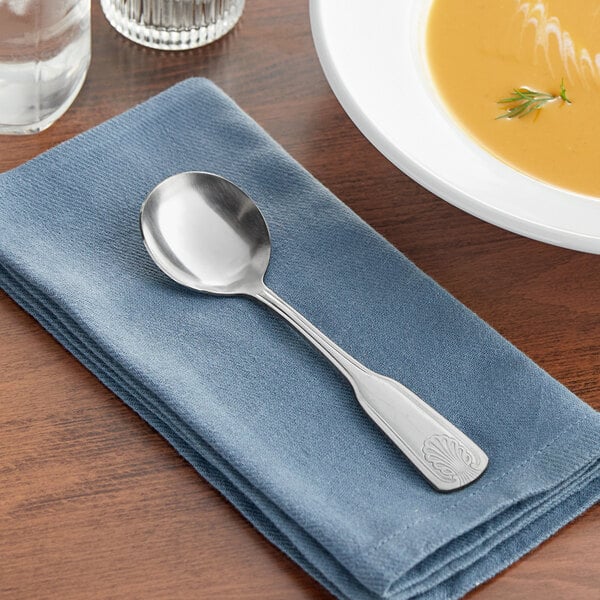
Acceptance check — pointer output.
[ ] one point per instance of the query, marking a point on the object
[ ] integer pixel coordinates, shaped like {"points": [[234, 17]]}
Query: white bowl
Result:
{"points": [[373, 57]]}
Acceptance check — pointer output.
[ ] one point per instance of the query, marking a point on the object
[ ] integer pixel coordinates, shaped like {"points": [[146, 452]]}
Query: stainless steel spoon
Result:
{"points": [[207, 234]]}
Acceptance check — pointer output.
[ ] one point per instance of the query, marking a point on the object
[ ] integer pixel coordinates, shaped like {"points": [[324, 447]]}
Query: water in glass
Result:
{"points": [[44, 57]]}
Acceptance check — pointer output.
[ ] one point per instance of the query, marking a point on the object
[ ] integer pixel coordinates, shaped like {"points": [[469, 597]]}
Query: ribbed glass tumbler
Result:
{"points": [[173, 24]]}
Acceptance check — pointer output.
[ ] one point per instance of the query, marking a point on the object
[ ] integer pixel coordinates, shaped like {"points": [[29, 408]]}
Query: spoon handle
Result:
{"points": [[445, 456]]}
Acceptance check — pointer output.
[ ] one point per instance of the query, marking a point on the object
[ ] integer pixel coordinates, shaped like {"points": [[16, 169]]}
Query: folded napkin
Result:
{"points": [[249, 403]]}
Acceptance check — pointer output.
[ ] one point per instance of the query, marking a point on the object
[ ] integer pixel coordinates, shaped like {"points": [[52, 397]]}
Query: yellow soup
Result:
{"points": [[480, 51]]}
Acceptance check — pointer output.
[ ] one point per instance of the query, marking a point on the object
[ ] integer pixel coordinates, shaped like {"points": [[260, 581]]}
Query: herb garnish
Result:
{"points": [[525, 100]]}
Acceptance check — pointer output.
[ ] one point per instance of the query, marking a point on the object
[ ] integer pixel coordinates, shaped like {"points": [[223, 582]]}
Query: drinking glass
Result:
{"points": [[44, 57], [173, 24]]}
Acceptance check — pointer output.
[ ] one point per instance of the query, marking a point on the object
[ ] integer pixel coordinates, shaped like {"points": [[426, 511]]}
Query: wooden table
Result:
{"points": [[95, 504]]}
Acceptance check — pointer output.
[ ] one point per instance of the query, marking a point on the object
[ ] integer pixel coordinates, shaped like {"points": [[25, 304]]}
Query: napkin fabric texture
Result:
{"points": [[250, 404]]}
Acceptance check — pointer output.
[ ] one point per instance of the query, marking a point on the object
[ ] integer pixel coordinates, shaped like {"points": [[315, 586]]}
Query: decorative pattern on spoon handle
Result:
{"points": [[450, 459]]}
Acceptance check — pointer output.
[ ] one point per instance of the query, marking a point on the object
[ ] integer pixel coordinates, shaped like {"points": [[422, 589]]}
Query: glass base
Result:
{"points": [[163, 38]]}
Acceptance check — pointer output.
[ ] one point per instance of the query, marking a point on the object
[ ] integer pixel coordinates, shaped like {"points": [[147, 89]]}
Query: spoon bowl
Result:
{"points": [[205, 233]]}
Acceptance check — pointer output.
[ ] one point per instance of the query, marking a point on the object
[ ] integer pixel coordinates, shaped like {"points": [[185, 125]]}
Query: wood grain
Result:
{"points": [[94, 504]]}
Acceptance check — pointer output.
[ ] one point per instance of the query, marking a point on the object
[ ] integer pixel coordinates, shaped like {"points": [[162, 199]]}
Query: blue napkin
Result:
{"points": [[255, 409]]}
